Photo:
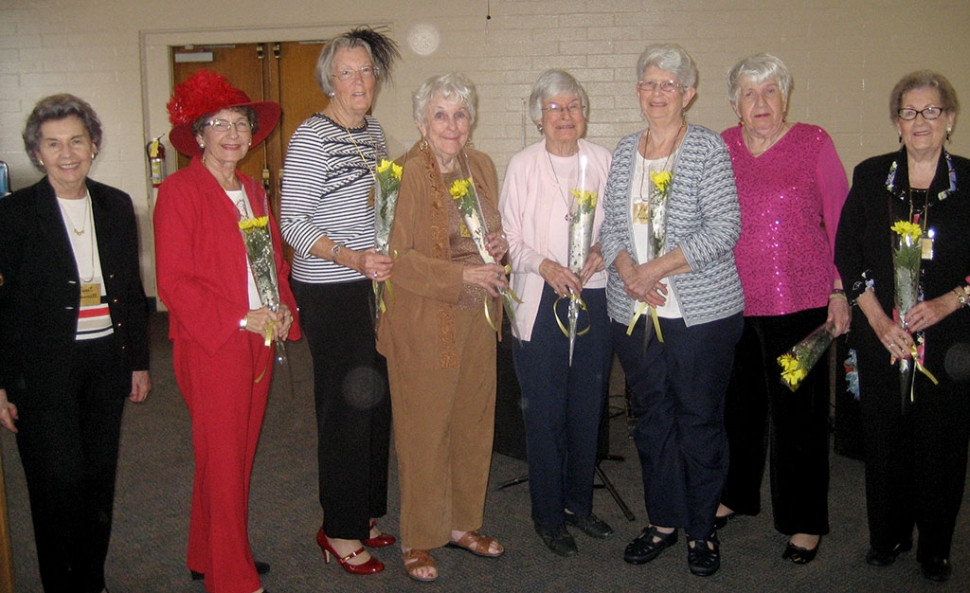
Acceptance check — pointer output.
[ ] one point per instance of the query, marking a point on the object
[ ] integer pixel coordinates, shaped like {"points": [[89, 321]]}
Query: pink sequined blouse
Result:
{"points": [[791, 197]]}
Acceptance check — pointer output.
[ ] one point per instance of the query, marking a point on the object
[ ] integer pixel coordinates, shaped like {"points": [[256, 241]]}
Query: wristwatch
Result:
{"points": [[335, 251], [244, 322]]}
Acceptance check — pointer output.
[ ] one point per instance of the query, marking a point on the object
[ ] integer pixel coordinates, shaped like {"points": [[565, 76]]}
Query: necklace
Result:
{"points": [[673, 149], [562, 194], [84, 221]]}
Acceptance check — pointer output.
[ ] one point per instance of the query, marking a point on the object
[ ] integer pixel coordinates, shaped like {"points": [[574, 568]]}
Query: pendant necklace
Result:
{"points": [[84, 223], [565, 200]]}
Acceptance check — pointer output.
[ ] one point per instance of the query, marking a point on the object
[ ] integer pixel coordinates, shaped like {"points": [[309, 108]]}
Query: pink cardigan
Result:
{"points": [[533, 213]]}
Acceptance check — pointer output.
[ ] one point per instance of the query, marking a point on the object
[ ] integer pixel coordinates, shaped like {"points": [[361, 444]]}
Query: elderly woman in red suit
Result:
{"points": [[220, 321]]}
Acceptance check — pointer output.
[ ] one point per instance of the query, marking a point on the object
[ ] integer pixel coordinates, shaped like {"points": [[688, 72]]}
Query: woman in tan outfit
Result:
{"points": [[439, 345]]}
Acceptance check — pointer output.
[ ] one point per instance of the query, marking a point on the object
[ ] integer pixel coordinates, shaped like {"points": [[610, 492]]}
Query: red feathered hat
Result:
{"points": [[207, 93]]}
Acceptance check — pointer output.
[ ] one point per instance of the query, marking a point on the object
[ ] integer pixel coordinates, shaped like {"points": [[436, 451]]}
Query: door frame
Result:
{"points": [[156, 86]]}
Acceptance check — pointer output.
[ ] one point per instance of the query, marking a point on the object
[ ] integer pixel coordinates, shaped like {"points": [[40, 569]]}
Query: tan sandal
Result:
{"points": [[415, 560], [478, 544]]}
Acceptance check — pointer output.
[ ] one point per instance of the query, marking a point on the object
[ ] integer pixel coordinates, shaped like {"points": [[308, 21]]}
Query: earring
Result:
{"points": [[41, 161], [250, 143], [948, 130], [423, 145], [331, 94], [900, 137], [202, 145], [539, 127], [94, 155]]}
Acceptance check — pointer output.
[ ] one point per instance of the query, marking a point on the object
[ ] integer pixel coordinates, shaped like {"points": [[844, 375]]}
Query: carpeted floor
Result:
{"points": [[155, 480]]}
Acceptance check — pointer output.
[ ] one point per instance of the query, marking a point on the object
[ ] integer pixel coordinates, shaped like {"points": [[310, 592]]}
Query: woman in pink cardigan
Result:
{"points": [[561, 402]]}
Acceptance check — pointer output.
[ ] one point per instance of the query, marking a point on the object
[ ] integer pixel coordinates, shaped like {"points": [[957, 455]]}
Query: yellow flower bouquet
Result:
{"points": [[799, 360]]}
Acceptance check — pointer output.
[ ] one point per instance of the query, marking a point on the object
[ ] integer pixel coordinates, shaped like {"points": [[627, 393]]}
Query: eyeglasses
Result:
{"points": [[667, 86], [222, 126], [557, 109], [366, 73], [929, 114]]}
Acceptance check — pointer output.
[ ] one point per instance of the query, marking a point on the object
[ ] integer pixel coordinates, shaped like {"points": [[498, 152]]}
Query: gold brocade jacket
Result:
{"points": [[418, 328]]}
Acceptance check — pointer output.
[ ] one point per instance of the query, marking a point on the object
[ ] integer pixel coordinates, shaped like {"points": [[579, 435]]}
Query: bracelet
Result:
{"points": [[244, 321], [963, 295], [838, 293]]}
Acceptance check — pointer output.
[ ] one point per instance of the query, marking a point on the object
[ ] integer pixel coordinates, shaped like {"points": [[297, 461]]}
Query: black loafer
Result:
{"points": [[876, 557], [936, 569], [261, 568], [591, 525], [648, 545], [558, 540], [703, 559], [800, 555], [721, 522]]}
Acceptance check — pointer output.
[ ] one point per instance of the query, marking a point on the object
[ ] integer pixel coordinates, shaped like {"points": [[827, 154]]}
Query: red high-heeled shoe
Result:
{"points": [[381, 540], [372, 566]]}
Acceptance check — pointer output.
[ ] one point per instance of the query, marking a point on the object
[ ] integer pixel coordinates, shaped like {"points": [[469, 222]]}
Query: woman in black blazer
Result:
{"points": [[73, 340]]}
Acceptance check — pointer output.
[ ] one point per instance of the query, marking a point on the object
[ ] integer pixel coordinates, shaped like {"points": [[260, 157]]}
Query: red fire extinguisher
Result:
{"points": [[156, 161]]}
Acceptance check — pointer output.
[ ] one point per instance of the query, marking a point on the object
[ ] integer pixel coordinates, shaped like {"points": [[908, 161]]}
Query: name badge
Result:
{"points": [[91, 294], [926, 248], [641, 212]]}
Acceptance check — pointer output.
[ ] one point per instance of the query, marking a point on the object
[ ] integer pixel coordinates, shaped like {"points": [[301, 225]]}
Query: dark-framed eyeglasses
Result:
{"points": [[222, 126], [348, 74], [929, 113]]}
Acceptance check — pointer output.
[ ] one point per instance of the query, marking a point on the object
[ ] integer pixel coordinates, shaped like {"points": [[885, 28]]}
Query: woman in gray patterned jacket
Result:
{"points": [[675, 299]]}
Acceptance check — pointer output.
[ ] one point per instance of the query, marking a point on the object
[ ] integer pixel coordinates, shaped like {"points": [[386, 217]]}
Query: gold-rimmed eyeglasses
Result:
{"points": [[667, 86], [348, 74], [929, 114], [222, 126]]}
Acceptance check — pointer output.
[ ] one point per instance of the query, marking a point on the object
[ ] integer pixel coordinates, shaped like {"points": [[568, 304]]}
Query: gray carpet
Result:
{"points": [[155, 478]]}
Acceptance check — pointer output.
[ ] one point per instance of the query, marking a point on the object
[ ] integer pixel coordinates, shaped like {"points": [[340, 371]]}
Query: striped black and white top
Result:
{"points": [[327, 182]]}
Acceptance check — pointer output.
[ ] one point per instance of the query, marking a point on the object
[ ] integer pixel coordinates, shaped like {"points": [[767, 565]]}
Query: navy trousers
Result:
{"points": [[678, 388], [562, 404]]}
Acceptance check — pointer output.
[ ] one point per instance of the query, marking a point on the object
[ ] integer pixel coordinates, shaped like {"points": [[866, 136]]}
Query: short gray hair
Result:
{"points": [[672, 58], [552, 83], [56, 107], [380, 48], [454, 87], [758, 69], [919, 80]]}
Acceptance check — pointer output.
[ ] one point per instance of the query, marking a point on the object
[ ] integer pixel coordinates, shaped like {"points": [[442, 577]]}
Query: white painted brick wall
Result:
{"points": [[844, 56]]}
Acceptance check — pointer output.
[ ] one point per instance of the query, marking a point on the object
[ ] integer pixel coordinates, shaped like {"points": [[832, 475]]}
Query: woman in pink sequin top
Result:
{"points": [[791, 187]]}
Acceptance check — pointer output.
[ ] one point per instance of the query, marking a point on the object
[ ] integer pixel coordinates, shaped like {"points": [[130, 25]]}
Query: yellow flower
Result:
{"points": [[788, 362], [586, 199], [661, 179], [459, 189], [903, 228], [250, 224], [386, 165]]}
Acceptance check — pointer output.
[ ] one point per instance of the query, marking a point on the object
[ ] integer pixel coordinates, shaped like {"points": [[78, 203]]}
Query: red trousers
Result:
{"points": [[226, 395]]}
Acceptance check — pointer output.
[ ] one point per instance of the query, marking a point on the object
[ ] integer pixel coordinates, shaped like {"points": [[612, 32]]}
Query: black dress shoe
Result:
{"points": [[558, 540], [876, 557], [703, 559], [261, 568], [591, 525], [648, 545], [721, 522], [800, 555], [936, 569]]}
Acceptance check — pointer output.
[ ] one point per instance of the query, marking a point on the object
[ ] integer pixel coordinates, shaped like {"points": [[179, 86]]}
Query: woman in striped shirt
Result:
{"points": [[327, 217]]}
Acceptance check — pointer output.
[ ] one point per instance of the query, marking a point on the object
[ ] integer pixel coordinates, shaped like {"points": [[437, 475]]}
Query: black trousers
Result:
{"points": [[796, 435], [68, 443], [916, 464], [352, 401]]}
